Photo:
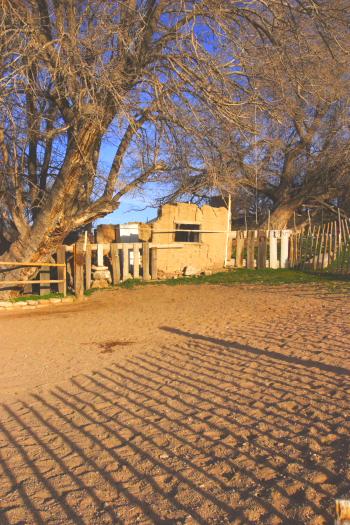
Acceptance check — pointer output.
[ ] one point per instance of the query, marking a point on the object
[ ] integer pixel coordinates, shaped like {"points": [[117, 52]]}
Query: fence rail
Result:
{"points": [[61, 267]]}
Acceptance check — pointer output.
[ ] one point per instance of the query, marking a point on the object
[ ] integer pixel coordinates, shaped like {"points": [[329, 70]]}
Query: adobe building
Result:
{"points": [[194, 238], [203, 248]]}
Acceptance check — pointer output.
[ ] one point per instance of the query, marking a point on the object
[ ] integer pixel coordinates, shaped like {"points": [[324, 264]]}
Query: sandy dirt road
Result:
{"points": [[176, 405]]}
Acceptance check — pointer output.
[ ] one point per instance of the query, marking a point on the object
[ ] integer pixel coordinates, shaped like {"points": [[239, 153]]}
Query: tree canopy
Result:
{"points": [[183, 89]]}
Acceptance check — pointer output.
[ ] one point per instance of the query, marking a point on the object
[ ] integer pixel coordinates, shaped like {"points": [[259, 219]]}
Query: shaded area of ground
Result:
{"points": [[206, 405]]}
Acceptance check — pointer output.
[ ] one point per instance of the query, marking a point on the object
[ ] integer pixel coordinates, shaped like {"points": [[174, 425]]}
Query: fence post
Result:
{"points": [[44, 275], [154, 273], [136, 253], [79, 269], [125, 262], [284, 248], [145, 261], [61, 274], [239, 249], [115, 264], [273, 250], [100, 257], [250, 248], [261, 264], [88, 267]]}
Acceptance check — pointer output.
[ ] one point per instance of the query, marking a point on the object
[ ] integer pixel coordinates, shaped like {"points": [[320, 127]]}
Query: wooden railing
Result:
{"points": [[61, 268]]}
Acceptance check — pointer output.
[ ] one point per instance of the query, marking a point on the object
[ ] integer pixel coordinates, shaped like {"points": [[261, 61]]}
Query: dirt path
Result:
{"points": [[193, 404]]}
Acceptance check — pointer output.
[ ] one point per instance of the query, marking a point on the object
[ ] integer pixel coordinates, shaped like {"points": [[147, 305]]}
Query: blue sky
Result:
{"points": [[131, 209]]}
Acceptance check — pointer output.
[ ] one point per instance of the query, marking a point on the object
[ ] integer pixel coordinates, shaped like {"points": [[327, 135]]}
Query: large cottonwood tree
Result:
{"points": [[144, 74]]}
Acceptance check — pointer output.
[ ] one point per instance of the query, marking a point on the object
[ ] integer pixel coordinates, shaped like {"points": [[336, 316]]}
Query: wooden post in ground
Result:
{"points": [[88, 267], [315, 249], [79, 269], [136, 253], [61, 259], [284, 248], [115, 264], [261, 263], [239, 249], [154, 273], [325, 248], [100, 257], [44, 275], [145, 261], [125, 275], [250, 248], [273, 250]]}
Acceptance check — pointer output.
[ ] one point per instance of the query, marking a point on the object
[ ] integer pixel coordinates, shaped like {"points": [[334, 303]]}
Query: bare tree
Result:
{"points": [[75, 74], [147, 75], [294, 148]]}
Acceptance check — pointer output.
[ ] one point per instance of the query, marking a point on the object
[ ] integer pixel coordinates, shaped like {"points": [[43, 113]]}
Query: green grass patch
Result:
{"points": [[244, 276], [51, 295]]}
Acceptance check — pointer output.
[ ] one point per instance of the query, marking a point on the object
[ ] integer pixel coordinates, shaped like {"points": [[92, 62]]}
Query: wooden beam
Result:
{"points": [[154, 274], [88, 267], [136, 254], [145, 261], [262, 246], [79, 270], [250, 248], [115, 264]]}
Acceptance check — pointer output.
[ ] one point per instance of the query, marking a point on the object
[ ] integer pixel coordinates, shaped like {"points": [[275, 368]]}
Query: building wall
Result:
{"points": [[209, 253]]}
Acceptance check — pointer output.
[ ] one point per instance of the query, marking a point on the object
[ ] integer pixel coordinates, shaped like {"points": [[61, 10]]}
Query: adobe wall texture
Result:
{"points": [[209, 253]]}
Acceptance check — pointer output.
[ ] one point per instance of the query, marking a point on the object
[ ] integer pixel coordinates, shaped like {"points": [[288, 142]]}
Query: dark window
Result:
{"points": [[187, 236]]}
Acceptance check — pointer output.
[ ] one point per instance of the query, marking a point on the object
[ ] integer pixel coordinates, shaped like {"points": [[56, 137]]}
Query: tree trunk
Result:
{"points": [[281, 217]]}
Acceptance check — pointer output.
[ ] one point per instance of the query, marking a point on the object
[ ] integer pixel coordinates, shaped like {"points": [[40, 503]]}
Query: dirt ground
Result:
{"points": [[176, 405]]}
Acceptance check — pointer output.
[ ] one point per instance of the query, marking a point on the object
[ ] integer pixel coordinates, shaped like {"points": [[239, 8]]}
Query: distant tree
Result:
{"points": [[294, 150]]}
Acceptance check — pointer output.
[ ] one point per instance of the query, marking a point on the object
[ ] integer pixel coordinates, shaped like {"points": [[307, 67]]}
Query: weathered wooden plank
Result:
{"points": [[285, 234], [79, 260], [250, 248], [273, 250], [262, 247], [154, 274], [100, 257], [44, 277], [115, 259], [125, 275], [145, 261], [239, 249], [88, 267], [136, 253]]}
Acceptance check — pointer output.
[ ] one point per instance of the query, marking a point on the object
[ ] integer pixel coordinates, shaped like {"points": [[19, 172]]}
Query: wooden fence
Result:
{"points": [[123, 260], [323, 248], [61, 281], [259, 249]]}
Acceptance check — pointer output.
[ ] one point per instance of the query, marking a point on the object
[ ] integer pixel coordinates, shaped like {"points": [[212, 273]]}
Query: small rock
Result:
{"points": [[32, 303], [44, 301], [20, 303], [102, 274], [100, 283], [55, 300]]}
